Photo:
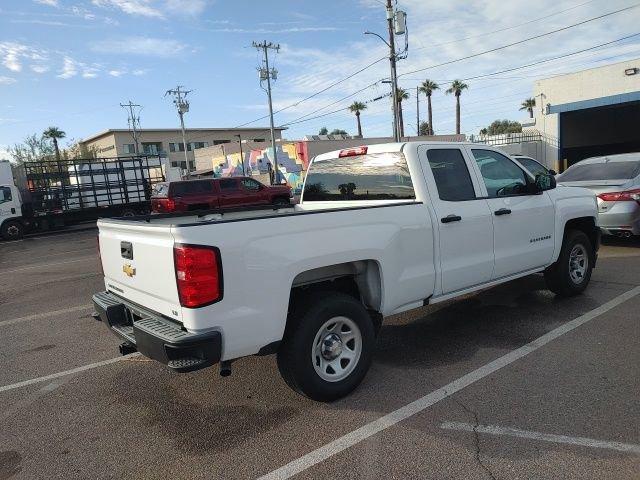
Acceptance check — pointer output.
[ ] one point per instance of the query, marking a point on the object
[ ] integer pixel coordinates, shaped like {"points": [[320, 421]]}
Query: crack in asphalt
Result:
{"points": [[476, 437]]}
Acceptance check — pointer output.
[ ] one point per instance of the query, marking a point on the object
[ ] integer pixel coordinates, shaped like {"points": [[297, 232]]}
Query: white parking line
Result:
{"points": [[83, 368], [543, 437], [44, 265], [42, 316], [352, 438]]}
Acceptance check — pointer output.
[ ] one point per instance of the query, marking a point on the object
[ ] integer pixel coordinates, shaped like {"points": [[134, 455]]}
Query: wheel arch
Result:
{"points": [[361, 279]]}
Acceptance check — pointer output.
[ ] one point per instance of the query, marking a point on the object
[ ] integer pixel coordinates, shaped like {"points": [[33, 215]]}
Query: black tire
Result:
{"points": [[128, 212], [295, 354], [558, 277], [280, 201], [12, 230]]}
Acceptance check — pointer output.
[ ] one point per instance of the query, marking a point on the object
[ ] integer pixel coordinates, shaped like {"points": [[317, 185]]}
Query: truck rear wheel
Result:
{"points": [[327, 348], [571, 273], [12, 230]]}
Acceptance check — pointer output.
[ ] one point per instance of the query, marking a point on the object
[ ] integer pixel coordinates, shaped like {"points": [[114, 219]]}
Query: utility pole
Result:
{"points": [[394, 76], [132, 121], [417, 111], [269, 74], [244, 173], [179, 100]]}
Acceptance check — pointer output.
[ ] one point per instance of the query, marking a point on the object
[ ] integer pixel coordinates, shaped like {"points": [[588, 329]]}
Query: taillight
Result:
{"points": [[626, 196], [198, 275], [169, 205]]}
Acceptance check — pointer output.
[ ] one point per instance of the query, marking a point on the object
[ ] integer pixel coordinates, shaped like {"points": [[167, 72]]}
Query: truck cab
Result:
{"points": [[11, 226]]}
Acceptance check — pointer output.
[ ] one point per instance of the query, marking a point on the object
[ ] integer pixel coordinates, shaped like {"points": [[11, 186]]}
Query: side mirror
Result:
{"points": [[545, 182], [553, 172]]}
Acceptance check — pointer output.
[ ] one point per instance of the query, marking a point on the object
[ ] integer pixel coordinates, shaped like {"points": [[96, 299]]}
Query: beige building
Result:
{"points": [[588, 113], [167, 142]]}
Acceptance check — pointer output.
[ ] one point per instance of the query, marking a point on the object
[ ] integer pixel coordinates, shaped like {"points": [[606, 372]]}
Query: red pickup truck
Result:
{"points": [[216, 193]]}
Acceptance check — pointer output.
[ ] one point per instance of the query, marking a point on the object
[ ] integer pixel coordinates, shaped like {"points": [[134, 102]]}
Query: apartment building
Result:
{"points": [[167, 142]]}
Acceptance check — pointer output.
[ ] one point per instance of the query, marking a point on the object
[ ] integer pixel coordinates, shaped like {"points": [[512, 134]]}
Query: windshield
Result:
{"points": [[601, 171], [377, 176], [534, 167]]}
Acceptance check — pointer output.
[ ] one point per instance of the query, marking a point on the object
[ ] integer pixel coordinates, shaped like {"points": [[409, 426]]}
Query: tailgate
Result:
{"points": [[137, 260]]}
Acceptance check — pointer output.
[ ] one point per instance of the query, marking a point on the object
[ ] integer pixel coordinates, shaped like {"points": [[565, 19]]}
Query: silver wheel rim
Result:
{"points": [[336, 349], [13, 231], [578, 263]]}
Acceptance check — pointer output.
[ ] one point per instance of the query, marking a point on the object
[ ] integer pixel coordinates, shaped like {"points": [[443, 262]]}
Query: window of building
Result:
{"points": [[152, 148], [258, 139], [220, 142], [451, 175], [501, 176], [196, 145], [129, 148], [376, 176]]}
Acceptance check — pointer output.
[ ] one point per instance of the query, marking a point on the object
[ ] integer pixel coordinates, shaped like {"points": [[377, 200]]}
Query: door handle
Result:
{"points": [[451, 218], [502, 211]]}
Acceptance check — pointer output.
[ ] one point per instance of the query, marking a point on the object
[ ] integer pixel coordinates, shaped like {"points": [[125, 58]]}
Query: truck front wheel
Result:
{"points": [[571, 273], [12, 230], [328, 345]]}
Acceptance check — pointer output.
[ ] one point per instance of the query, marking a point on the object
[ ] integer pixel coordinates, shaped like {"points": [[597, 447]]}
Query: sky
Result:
{"points": [[70, 63]]}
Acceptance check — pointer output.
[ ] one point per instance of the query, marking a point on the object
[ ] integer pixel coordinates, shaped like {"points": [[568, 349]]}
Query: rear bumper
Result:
{"points": [[156, 337]]}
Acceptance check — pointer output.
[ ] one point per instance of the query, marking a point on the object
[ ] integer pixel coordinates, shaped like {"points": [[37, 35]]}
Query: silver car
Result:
{"points": [[615, 180]]}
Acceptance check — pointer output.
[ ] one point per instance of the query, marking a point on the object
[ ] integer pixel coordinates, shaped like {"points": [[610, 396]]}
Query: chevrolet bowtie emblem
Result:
{"points": [[128, 270]]}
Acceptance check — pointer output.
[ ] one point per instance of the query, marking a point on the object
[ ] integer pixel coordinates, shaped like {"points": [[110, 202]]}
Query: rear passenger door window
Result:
{"points": [[228, 185], [250, 184], [451, 174]]}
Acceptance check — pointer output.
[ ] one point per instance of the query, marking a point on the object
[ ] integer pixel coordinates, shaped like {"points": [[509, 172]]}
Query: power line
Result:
{"points": [[182, 105], [493, 32], [316, 93], [519, 42], [302, 119]]}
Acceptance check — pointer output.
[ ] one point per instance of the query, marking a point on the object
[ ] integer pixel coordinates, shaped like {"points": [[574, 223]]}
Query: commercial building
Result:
{"points": [[589, 113], [167, 142]]}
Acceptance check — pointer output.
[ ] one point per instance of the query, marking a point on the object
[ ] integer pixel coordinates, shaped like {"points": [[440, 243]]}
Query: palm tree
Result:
{"points": [[528, 105], [402, 95], [457, 86], [357, 107], [427, 87], [54, 133]]}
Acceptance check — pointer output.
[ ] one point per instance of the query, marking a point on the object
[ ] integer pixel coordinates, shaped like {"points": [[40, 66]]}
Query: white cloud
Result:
{"points": [[116, 72], [39, 68], [69, 68], [157, 47], [51, 3], [7, 80], [186, 7], [139, 72], [271, 31], [13, 53], [90, 73], [143, 8]]}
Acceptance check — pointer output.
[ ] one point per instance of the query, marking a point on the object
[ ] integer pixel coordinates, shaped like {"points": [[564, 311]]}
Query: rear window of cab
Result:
{"points": [[191, 187], [374, 176]]}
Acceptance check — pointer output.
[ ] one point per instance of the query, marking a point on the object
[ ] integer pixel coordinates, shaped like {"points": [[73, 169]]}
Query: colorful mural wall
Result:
{"points": [[292, 162]]}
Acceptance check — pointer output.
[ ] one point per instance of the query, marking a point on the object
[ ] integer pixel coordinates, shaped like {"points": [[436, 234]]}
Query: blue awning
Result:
{"points": [[595, 102]]}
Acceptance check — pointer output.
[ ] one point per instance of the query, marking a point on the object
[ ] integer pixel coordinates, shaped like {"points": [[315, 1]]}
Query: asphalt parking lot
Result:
{"points": [[508, 383]]}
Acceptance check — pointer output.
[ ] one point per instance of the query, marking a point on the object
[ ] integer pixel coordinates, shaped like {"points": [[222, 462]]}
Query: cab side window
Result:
{"points": [[501, 176], [250, 184], [451, 175], [5, 194]]}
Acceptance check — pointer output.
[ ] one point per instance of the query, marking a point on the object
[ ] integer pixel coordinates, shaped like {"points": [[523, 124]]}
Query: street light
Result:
{"points": [[394, 83], [244, 174]]}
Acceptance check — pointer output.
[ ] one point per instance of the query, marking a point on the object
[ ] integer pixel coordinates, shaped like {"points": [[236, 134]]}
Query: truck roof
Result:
{"points": [[391, 147]]}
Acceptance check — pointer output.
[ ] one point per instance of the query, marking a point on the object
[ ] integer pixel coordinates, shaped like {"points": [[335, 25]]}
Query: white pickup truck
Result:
{"points": [[379, 230]]}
